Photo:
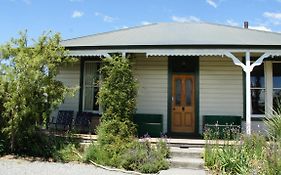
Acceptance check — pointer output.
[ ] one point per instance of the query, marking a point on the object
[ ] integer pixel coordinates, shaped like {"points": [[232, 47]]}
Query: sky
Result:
{"points": [[75, 18]]}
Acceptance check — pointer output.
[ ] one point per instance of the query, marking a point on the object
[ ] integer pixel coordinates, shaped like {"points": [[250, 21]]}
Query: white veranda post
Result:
{"points": [[247, 68]]}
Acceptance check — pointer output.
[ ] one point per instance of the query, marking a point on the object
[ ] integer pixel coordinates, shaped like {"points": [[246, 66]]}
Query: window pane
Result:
{"points": [[258, 99], [188, 92], [91, 88], [276, 75], [95, 105], [178, 92], [88, 98], [257, 77], [90, 73]]}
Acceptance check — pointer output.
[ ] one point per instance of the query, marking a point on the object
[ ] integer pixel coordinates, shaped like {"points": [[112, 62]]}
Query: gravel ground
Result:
{"points": [[13, 166]]}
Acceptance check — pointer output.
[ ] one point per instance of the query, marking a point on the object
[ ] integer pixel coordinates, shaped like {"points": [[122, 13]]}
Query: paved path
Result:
{"points": [[23, 167]]}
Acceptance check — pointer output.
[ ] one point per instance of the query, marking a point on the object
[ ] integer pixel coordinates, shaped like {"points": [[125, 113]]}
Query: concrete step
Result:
{"points": [[186, 152], [184, 162]]}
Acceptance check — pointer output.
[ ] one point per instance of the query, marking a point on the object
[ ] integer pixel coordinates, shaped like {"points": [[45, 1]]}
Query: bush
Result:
{"points": [[136, 156], [30, 92], [67, 154], [273, 123], [246, 155], [116, 144], [146, 158]]}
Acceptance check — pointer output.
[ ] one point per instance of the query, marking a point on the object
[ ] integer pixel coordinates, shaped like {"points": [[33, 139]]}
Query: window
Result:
{"points": [[91, 86], [276, 74], [258, 90]]}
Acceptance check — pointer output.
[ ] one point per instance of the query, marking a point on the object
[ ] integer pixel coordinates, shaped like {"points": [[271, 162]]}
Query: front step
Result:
{"points": [[186, 152], [185, 162], [187, 157]]}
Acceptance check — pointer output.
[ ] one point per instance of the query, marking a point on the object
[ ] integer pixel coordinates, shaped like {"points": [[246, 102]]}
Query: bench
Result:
{"points": [[221, 123], [63, 120], [149, 124]]}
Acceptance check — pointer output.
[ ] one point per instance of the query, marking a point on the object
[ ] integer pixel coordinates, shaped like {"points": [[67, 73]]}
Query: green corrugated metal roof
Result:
{"points": [[178, 34]]}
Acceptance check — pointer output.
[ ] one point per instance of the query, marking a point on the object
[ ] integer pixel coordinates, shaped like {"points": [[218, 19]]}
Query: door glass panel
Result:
{"points": [[188, 92], [178, 92]]}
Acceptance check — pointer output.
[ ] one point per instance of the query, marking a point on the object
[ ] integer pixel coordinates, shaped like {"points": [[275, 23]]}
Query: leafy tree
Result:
{"points": [[29, 90]]}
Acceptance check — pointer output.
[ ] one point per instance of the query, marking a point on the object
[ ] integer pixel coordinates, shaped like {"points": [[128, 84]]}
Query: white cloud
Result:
{"points": [[145, 23], [105, 18], [212, 3], [185, 19], [77, 14], [231, 22], [260, 27], [272, 15]]}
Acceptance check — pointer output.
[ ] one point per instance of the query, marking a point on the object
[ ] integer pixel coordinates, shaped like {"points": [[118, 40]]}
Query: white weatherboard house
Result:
{"points": [[185, 71]]}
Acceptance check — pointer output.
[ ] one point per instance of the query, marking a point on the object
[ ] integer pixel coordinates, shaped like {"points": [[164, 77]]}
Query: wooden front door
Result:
{"points": [[183, 106]]}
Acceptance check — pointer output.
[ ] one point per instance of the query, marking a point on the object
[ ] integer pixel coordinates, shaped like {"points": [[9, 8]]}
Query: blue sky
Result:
{"points": [[73, 18]]}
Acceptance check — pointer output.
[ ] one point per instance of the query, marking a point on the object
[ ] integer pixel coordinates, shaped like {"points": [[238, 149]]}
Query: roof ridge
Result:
{"points": [[112, 31]]}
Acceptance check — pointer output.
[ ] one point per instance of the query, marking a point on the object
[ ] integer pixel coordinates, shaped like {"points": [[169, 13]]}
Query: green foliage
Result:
{"points": [[144, 157], [273, 123], [29, 90], [137, 156], [118, 92], [67, 153], [116, 145], [246, 155], [117, 96]]}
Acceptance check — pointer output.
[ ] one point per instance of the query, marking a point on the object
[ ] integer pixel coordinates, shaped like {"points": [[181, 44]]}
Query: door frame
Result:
{"points": [[195, 73]]}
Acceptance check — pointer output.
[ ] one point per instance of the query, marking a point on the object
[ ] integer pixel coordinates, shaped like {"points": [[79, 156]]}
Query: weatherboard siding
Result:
{"points": [[152, 76], [221, 87]]}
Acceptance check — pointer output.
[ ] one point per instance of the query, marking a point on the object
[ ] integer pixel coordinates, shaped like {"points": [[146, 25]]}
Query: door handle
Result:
{"points": [[182, 108]]}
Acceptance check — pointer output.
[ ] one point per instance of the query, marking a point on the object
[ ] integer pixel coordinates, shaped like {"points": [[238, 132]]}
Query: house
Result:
{"points": [[185, 71]]}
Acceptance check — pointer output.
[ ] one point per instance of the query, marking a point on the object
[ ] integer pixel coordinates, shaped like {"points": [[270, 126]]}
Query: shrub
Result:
{"points": [[273, 123], [243, 156], [67, 154], [137, 156], [28, 88], [144, 157], [116, 144]]}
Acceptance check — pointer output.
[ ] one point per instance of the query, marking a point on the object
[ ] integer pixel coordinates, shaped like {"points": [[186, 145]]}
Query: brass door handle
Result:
{"points": [[182, 108]]}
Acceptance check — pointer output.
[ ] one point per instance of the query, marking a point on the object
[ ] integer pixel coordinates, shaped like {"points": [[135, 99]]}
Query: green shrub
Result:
{"points": [[67, 154], [116, 144], [137, 156], [144, 157], [273, 123], [246, 155]]}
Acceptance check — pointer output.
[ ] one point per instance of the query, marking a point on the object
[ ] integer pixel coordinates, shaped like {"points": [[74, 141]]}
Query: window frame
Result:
{"points": [[268, 80], [99, 111]]}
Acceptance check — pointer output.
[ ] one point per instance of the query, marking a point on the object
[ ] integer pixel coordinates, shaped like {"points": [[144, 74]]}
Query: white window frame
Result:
{"points": [[84, 85]]}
